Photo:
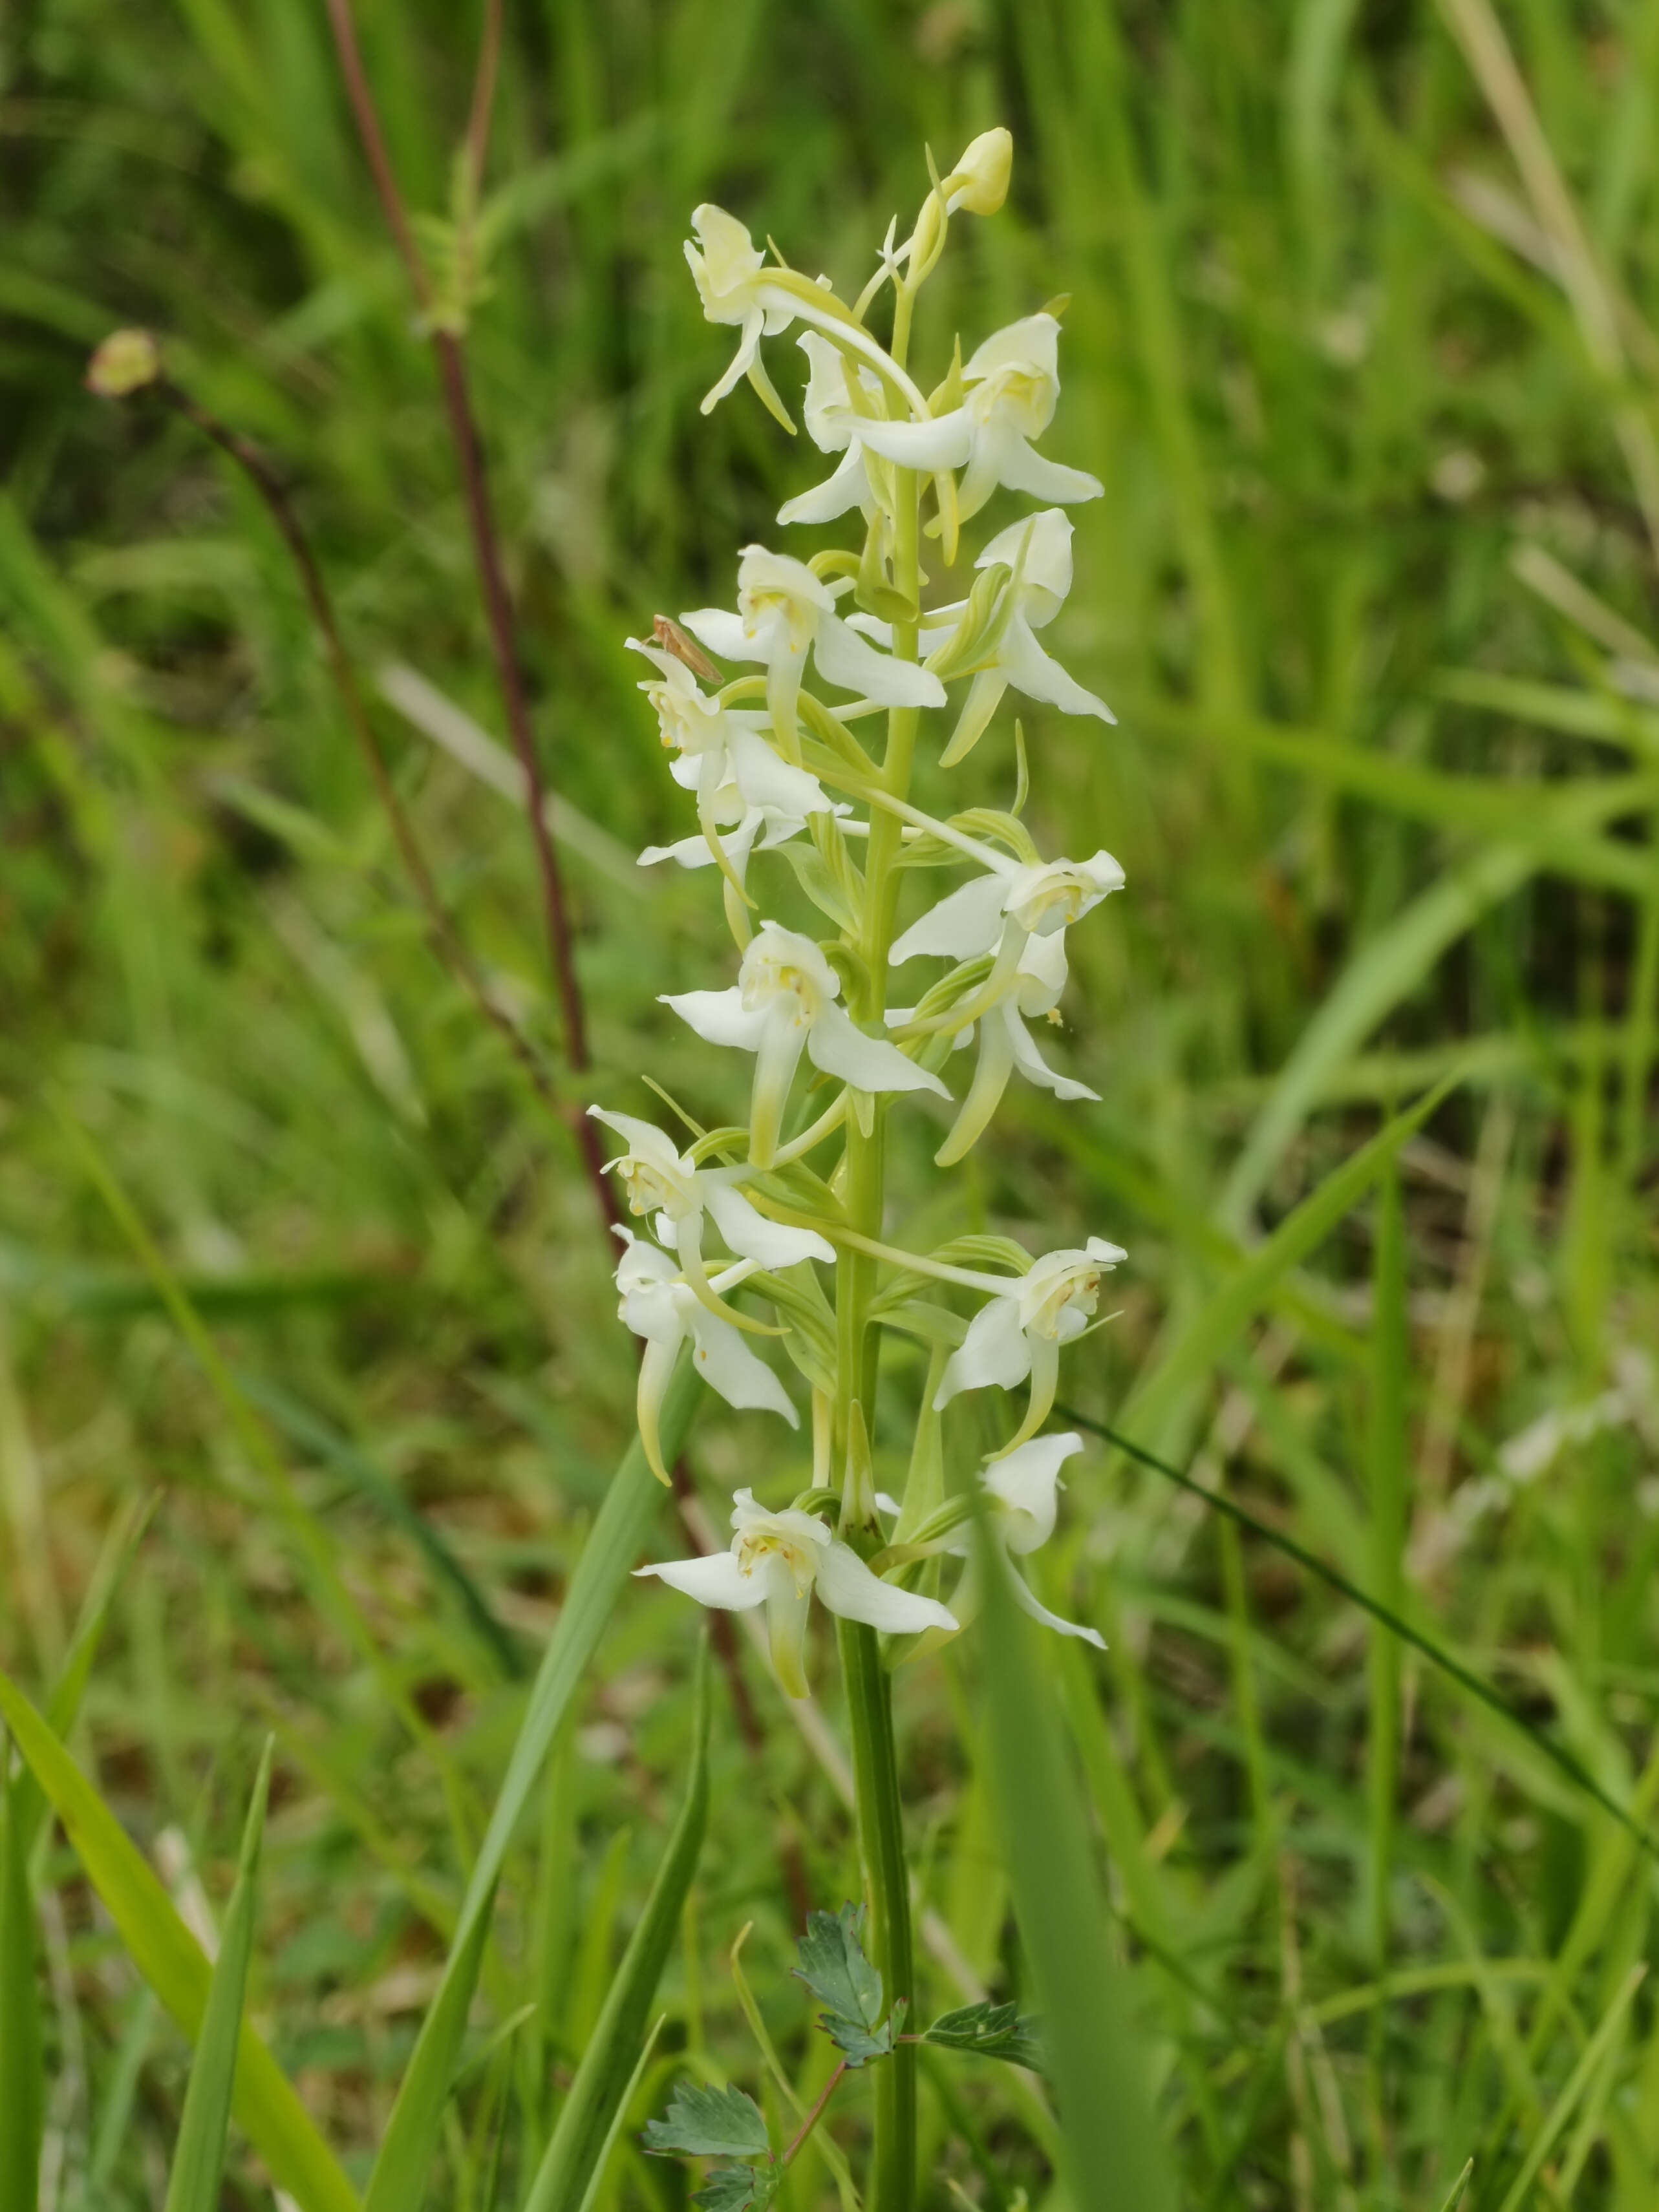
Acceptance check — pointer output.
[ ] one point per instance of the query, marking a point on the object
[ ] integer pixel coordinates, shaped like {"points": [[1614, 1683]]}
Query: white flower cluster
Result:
{"points": [[771, 763]]}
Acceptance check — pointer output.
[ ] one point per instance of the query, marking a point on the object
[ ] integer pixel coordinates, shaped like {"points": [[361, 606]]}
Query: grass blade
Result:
{"points": [[173, 1962], [402, 2166], [22, 2082], [199, 2158], [1572, 2090], [613, 1546], [611, 2059], [1116, 2158]]}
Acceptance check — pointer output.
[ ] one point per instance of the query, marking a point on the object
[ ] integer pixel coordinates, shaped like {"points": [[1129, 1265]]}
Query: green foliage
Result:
{"points": [[990, 2031], [830, 1960], [707, 2123]]}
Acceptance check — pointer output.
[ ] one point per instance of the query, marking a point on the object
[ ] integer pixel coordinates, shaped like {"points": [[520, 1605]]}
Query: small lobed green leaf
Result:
{"points": [[990, 2031], [858, 2044], [705, 2122], [831, 1962], [736, 2189]]}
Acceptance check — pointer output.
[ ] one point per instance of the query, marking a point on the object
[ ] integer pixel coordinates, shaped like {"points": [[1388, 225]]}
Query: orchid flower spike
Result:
{"points": [[783, 1004], [670, 1185], [658, 1305], [778, 1560], [1014, 386], [785, 611], [1023, 1491], [1019, 1329]]}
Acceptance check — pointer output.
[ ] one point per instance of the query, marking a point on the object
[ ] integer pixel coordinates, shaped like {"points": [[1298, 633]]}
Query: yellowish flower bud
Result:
{"points": [[979, 181], [124, 364]]}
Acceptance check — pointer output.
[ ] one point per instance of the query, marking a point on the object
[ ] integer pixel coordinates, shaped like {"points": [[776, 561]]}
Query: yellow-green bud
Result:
{"points": [[126, 362], [979, 181]]}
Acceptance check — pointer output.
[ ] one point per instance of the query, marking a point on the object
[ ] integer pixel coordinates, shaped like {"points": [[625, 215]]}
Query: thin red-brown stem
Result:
{"points": [[814, 2116], [273, 493], [486, 548], [483, 100]]}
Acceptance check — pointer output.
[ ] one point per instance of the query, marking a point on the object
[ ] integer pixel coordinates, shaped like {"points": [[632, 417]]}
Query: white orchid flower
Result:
{"points": [[783, 1004], [832, 425], [1019, 1329], [778, 1560], [670, 1185], [736, 285], [1013, 384], [785, 611], [1023, 1491], [1021, 914], [1039, 552], [741, 831], [659, 1306]]}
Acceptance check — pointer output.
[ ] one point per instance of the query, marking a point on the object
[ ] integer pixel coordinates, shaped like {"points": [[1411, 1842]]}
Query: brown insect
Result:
{"points": [[671, 638]]}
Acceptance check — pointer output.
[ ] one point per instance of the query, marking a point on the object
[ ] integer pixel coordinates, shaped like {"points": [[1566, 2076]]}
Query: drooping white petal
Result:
{"points": [[715, 1580], [1024, 469], [1026, 1486], [848, 487], [1031, 1062], [661, 1357], [994, 1353], [764, 780], [750, 1234], [991, 1073], [782, 1038], [1028, 1602], [695, 852], [848, 661], [729, 1367], [848, 1588], [835, 1044], [966, 922], [786, 1611], [1034, 673], [718, 1017]]}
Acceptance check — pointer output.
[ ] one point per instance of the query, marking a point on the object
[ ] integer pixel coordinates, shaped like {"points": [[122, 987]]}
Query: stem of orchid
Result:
{"points": [[869, 1699]]}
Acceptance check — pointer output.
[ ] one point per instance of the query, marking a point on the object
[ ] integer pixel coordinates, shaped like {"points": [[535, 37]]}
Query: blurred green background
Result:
{"points": [[1372, 591]]}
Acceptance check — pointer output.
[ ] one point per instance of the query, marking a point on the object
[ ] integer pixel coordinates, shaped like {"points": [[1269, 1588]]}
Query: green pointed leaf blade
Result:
{"points": [[613, 1544], [735, 2188], [198, 2159], [402, 2166], [22, 2079], [172, 1961], [1112, 2153], [830, 1960], [607, 2065]]}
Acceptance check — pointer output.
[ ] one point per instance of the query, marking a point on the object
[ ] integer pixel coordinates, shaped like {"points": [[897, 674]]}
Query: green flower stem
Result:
{"points": [[869, 1700]]}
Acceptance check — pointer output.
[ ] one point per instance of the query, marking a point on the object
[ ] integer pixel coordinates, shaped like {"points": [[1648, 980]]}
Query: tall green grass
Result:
{"points": [[285, 1234]]}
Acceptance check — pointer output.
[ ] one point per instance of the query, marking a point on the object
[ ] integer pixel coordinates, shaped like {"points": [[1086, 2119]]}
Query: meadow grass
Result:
{"points": [[287, 1237]]}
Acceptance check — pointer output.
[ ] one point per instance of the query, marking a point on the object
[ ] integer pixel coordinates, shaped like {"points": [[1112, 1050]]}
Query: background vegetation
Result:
{"points": [[1372, 590]]}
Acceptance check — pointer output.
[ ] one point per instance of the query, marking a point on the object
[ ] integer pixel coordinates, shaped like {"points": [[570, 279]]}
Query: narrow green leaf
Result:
{"points": [[618, 2118], [172, 1961], [601, 2082], [1572, 2090], [23, 2081], [1455, 2197], [198, 2158], [1391, 1357], [707, 2123], [402, 2166], [613, 1544], [1115, 2159]]}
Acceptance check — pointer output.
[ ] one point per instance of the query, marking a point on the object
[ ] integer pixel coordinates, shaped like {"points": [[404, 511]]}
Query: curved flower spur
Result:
{"points": [[786, 1211]]}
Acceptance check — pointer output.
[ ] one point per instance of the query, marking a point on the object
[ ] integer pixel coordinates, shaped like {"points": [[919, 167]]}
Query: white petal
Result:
{"points": [[848, 487], [994, 1353], [848, 661], [1026, 1483], [1021, 468], [749, 1232], [1030, 670], [1032, 343], [764, 780], [780, 1043], [643, 1139], [839, 1047], [723, 634], [1040, 546], [719, 1016], [715, 1580], [786, 1610], [942, 443], [1028, 1602], [848, 1588], [967, 922], [728, 1366], [1031, 1062]]}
